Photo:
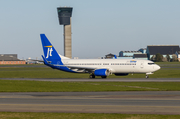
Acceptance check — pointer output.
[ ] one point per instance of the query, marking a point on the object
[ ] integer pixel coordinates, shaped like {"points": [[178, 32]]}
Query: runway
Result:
{"points": [[101, 80], [131, 102]]}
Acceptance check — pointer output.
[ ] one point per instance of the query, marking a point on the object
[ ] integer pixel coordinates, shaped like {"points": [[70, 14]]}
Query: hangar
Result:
{"points": [[152, 50], [10, 59], [140, 56]]}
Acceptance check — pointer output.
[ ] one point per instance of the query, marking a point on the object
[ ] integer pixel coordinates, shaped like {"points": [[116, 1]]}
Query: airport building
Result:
{"points": [[178, 54], [152, 50], [140, 56], [10, 59], [143, 50], [109, 56], [128, 53]]}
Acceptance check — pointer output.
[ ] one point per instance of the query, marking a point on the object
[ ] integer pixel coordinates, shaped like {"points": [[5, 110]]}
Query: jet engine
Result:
{"points": [[101, 72]]}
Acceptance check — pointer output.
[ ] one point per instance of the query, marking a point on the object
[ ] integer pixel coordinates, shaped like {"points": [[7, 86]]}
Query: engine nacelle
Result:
{"points": [[101, 72], [121, 74]]}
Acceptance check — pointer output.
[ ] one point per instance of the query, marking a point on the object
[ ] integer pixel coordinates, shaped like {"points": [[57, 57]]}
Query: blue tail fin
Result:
{"points": [[50, 54]]}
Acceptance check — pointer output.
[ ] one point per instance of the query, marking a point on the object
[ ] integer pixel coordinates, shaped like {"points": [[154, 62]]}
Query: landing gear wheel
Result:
{"points": [[147, 76], [92, 76], [103, 77]]}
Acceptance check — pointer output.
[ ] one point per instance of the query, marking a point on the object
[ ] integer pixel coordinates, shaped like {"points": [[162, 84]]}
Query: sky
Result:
{"points": [[99, 27]]}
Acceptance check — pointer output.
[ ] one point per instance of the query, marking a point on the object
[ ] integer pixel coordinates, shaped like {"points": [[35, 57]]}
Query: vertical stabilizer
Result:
{"points": [[50, 54]]}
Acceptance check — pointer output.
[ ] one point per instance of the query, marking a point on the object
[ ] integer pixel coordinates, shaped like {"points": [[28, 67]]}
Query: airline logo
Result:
{"points": [[49, 52]]}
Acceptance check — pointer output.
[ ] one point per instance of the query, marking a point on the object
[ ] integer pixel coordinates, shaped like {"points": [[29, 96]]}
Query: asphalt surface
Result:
{"points": [[101, 80], [135, 102]]}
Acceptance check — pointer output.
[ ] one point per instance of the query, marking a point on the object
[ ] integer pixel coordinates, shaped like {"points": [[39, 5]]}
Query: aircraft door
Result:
{"points": [[142, 65]]}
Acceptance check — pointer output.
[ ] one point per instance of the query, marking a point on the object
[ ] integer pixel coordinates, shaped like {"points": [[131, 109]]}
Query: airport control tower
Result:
{"points": [[64, 14]]}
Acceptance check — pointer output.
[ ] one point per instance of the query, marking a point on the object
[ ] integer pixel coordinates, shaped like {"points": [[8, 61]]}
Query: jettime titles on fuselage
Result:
{"points": [[133, 61]]}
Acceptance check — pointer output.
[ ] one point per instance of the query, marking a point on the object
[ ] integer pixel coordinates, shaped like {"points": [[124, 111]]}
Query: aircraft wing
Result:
{"points": [[38, 60], [87, 68], [79, 69], [35, 60], [73, 68]]}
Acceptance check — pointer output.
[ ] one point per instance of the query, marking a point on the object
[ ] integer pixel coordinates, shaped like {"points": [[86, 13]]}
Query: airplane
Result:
{"points": [[95, 67]]}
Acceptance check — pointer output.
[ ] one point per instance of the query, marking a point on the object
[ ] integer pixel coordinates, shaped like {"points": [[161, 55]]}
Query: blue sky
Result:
{"points": [[99, 27]]}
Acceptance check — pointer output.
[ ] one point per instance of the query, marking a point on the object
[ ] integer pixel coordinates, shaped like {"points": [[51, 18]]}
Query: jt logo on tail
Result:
{"points": [[49, 52]]}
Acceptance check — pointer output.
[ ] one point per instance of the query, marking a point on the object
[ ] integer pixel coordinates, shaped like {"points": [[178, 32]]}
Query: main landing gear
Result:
{"points": [[92, 76], [103, 77], [147, 76]]}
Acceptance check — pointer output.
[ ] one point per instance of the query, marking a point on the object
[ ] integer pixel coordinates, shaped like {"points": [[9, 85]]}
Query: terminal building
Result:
{"points": [[10, 59], [128, 53], [150, 52], [140, 54]]}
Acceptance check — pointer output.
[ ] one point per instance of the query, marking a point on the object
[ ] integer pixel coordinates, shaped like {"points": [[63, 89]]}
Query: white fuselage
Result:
{"points": [[114, 65]]}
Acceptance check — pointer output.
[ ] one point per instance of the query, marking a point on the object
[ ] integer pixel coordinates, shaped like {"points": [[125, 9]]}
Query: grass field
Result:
{"points": [[43, 86], [168, 70], [29, 115]]}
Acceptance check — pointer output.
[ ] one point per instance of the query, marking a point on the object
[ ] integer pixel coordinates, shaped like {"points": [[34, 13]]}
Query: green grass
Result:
{"points": [[37, 72], [46, 72], [32, 115], [44, 86]]}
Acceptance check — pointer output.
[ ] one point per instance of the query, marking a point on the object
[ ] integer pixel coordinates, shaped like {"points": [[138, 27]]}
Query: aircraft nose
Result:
{"points": [[157, 67]]}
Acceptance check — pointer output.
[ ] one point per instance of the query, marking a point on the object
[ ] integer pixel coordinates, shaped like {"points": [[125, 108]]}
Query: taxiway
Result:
{"points": [[133, 102]]}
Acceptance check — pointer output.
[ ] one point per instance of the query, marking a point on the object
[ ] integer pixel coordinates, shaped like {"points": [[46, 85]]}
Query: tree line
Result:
{"points": [[160, 58]]}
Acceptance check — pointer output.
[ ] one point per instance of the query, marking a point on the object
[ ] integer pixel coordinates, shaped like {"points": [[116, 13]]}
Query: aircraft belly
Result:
{"points": [[141, 70], [125, 69]]}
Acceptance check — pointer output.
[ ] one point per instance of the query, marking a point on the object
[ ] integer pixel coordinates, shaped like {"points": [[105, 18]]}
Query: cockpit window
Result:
{"points": [[151, 63]]}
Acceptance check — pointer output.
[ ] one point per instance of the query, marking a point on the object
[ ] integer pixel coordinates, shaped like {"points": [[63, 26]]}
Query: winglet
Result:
{"points": [[115, 57]]}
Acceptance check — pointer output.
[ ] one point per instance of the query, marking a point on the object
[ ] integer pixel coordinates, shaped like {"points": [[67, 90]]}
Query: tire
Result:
{"points": [[92, 76], [103, 77]]}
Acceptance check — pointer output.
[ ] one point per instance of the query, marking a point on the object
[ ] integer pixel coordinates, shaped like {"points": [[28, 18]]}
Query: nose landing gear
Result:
{"points": [[147, 74]]}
